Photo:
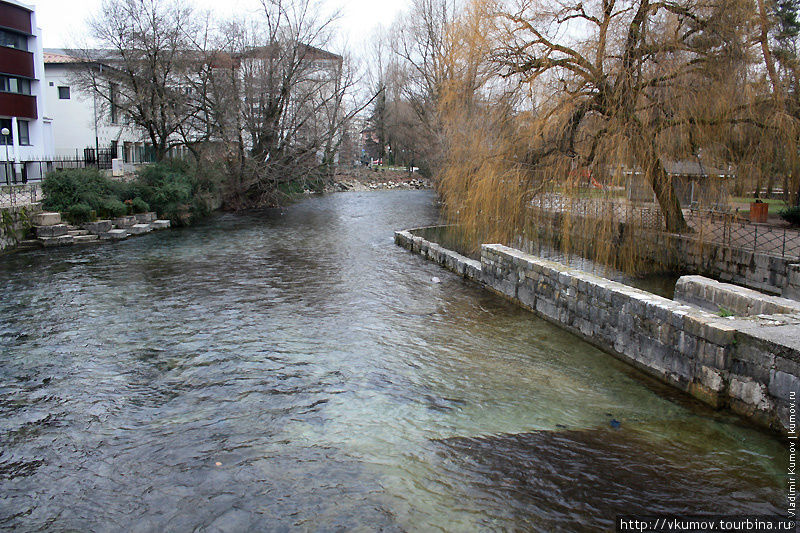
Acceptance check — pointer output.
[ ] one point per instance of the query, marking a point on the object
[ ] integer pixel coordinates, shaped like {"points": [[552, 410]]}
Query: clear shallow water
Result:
{"points": [[338, 387]]}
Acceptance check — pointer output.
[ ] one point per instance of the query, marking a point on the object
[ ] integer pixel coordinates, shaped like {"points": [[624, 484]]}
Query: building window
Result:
{"points": [[63, 93], [10, 84], [11, 39], [6, 123], [24, 133]]}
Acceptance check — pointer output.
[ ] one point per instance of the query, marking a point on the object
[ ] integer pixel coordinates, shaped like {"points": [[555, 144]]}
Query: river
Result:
{"points": [[295, 369]]}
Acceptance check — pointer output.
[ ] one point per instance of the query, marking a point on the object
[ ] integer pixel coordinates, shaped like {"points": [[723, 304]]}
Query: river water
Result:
{"points": [[295, 369]]}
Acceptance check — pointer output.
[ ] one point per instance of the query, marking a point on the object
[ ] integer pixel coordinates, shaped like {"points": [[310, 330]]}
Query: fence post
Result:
{"points": [[755, 238], [783, 247]]}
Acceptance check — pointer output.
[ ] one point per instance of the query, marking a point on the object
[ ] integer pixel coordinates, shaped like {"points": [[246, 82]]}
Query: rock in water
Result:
{"points": [[436, 280]]}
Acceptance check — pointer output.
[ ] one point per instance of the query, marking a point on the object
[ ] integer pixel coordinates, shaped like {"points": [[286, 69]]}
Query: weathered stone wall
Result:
{"points": [[750, 366], [14, 224], [455, 262], [719, 297]]}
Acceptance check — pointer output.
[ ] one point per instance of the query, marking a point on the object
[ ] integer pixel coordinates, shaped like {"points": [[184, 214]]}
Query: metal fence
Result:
{"points": [[734, 231], [708, 226], [20, 195]]}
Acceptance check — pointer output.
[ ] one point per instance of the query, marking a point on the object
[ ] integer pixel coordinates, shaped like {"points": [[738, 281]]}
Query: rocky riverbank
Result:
{"points": [[365, 179]]}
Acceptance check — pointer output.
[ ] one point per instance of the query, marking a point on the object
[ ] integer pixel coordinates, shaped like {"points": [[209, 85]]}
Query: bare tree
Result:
{"points": [[140, 70]]}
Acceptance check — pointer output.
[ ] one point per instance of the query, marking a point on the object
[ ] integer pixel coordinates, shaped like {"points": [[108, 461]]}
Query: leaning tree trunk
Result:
{"points": [[666, 197]]}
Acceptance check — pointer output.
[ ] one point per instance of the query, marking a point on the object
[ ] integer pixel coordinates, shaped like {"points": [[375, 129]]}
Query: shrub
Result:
{"points": [[791, 215], [80, 213], [112, 208], [139, 205], [65, 188]]}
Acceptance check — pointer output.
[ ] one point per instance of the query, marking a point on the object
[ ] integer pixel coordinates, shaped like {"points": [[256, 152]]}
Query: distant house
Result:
{"points": [[695, 183], [23, 102], [83, 122]]}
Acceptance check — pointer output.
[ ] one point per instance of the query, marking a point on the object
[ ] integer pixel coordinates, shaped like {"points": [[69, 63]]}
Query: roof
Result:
{"points": [[692, 167], [53, 58]]}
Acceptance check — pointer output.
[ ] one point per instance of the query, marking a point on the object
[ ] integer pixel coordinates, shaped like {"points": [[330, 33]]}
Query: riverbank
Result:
{"points": [[360, 179], [747, 362]]}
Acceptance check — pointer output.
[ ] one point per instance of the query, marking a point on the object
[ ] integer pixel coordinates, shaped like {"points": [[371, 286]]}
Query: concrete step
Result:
{"points": [[101, 226], [124, 222], [85, 239], [160, 224], [61, 240], [114, 235], [138, 229], [46, 219], [29, 244], [54, 230], [145, 218], [78, 232]]}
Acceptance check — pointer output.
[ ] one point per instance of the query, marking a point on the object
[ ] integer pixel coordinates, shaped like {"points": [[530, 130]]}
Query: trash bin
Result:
{"points": [[759, 212]]}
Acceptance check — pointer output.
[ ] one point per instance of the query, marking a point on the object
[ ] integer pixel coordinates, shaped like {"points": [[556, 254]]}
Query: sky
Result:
{"points": [[63, 21]]}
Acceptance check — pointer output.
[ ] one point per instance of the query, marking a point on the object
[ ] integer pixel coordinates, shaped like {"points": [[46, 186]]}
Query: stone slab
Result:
{"points": [[160, 224], [85, 239], [46, 219], [138, 229], [145, 218], [55, 230], [78, 232], [98, 227], [115, 235], [61, 240], [124, 222]]}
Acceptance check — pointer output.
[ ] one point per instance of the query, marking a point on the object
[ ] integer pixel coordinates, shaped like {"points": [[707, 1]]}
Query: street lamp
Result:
{"points": [[6, 132]]}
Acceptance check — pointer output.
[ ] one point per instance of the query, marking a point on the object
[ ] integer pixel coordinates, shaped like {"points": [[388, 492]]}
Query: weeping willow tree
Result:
{"points": [[553, 107]]}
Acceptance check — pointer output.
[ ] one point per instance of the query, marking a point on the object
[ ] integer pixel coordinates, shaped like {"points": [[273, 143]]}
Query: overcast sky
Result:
{"points": [[63, 21]]}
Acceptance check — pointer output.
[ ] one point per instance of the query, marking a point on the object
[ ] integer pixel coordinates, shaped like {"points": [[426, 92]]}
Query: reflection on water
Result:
{"points": [[337, 386]]}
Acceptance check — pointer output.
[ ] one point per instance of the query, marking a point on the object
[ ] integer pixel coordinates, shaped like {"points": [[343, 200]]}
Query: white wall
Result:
{"points": [[74, 119]]}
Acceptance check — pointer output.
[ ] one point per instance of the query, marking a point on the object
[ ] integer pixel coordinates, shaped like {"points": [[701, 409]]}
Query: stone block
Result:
{"points": [[85, 239], [163, 224], [783, 385], [138, 229], [46, 219], [145, 218], [60, 240], [124, 222], [51, 231], [96, 228], [712, 379], [114, 235], [750, 392]]}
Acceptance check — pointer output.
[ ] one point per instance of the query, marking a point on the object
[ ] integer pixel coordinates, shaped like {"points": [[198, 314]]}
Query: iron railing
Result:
{"points": [[708, 226]]}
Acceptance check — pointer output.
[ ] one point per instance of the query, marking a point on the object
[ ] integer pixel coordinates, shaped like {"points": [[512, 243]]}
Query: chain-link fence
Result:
{"points": [[19, 195]]}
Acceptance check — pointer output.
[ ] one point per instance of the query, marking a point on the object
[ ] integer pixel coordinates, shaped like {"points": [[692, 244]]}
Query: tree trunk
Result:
{"points": [[667, 199]]}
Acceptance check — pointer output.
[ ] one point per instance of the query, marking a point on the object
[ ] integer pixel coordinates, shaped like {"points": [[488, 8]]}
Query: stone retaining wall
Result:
{"points": [[15, 223], [745, 365], [719, 297]]}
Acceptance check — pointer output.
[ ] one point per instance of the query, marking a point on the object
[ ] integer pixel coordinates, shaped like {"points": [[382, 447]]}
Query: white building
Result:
{"points": [[84, 122], [23, 102]]}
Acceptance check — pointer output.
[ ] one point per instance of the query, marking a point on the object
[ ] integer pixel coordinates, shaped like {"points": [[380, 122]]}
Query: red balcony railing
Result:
{"points": [[15, 18], [16, 62], [18, 105]]}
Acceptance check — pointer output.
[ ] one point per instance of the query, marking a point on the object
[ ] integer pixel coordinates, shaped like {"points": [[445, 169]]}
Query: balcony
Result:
{"points": [[16, 62], [15, 18], [18, 105]]}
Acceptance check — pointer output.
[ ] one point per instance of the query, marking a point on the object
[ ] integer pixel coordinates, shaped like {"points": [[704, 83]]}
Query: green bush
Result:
{"points": [[791, 215], [65, 188], [80, 213], [174, 189], [111, 207], [139, 205]]}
